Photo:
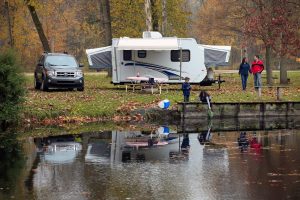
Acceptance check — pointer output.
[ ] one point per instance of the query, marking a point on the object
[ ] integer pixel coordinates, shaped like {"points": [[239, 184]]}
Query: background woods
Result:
{"points": [[266, 27]]}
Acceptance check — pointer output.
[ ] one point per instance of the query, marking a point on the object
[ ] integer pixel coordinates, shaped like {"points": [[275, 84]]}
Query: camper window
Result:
{"points": [[142, 53], [175, 55], [127, 55]]}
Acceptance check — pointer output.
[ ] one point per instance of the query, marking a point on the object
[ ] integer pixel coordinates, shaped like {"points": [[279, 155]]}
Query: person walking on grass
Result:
{"points": [[257, 68], [244, 72], [186, 89]]}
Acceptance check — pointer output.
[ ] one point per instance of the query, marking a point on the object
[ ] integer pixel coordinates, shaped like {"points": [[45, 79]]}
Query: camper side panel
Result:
{"points": [[163, 64]]}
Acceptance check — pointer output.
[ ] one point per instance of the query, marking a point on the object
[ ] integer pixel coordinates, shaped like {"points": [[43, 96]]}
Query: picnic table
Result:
{"points": [[143, 83]]}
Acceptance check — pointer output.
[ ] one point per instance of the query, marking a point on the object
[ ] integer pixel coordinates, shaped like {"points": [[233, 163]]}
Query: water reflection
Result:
{"points": [[12, 162], [142, 146], [62, 149], [162, 164]]}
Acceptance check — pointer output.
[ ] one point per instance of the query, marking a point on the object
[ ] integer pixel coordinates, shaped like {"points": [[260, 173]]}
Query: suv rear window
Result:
{"points": [[62, 61]]}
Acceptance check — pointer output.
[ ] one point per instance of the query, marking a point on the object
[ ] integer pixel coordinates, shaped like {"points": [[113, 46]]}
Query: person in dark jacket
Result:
{"points": [[244, 72], [256, 68], [186, 89], [185, 145], [204, 96]]}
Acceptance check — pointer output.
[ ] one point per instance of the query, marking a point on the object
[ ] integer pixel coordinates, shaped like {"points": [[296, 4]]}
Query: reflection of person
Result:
{"points": [[244, 72], [257, 68], [185, 145], [254, 143], [201, 138], [204, 97], [186, 89], [150, 142], [243, 141], [204, 137]]}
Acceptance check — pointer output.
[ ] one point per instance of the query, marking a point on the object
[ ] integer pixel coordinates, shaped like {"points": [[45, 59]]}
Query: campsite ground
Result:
{"points": [[102, 100]]}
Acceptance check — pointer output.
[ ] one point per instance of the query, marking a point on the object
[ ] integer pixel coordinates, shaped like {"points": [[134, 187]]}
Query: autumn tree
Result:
{"points": [[287, 44], [74, 26], [270, 21]]}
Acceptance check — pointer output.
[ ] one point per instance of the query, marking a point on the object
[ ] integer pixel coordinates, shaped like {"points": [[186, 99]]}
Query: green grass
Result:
{"points": [[102, 99]]}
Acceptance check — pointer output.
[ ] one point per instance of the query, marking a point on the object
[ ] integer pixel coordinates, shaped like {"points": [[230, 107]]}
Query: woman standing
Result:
{"points": [[244, 72]]}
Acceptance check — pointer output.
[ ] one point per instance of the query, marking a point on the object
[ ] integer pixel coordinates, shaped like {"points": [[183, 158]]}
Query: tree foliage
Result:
{"points": [[11, 89], [269, 27], [272, 22], [74, 26]]}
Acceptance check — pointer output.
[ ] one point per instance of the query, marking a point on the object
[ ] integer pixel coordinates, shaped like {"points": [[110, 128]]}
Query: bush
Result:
{"points": [[11, 89]]}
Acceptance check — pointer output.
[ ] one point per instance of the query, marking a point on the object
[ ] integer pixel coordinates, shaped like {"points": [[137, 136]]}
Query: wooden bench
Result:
{"points": [[278, 90]]}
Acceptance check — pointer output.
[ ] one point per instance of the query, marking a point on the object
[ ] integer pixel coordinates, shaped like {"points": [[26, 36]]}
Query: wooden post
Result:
{"points": [[219, 81], [259, 91], [278, 93]]}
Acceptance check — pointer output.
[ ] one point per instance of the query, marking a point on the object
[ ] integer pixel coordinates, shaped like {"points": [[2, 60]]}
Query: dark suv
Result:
{"points": [[58, 70]]}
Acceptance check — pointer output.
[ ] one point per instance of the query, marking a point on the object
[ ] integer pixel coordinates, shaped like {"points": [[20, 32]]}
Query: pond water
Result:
{"points": [[153, 164]]}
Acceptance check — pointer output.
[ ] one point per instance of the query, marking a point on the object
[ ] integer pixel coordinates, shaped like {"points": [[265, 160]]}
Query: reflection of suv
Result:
{"points": [[58, 70]]}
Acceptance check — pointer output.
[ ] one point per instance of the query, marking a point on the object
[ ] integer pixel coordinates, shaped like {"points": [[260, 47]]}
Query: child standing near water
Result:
{"points": [[186, 89]]}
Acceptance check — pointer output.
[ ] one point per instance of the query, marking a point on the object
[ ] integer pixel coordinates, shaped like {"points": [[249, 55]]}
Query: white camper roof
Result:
{"points": [[148, 44]]}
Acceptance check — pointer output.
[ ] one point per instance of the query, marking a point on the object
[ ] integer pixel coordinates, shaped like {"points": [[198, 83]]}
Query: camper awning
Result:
{"points": [[148, 44]]}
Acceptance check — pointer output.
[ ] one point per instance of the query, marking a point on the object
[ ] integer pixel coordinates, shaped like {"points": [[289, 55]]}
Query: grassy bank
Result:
{"points": [[104, 100]]}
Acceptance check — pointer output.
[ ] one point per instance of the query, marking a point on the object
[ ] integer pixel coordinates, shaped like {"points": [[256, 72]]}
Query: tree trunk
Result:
{"points": [[268, 66], [106, 21], [283, 72], [38, 27], [11, 40], [106, 25], [148, 15], [155, 24], [164, 17], [3, 125]]}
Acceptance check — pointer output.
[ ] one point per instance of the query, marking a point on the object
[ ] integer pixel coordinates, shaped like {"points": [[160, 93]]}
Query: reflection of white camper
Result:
{"points": [[62, 152], [153, 56]]}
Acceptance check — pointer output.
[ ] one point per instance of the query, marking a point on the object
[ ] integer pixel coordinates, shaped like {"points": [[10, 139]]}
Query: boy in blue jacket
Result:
{"points": [[186, 89]]}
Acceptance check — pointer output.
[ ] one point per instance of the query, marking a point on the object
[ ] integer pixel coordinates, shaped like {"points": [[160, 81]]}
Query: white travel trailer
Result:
{"points": [[166, 58]]}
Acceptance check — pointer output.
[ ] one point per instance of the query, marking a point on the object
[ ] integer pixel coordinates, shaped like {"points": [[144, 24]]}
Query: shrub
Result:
{"points": [[11, 89]]}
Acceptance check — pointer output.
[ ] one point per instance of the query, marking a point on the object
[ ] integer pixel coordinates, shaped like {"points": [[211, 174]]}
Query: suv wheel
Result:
{"points": [[44, 85], [37, 85], [80, 89]]}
